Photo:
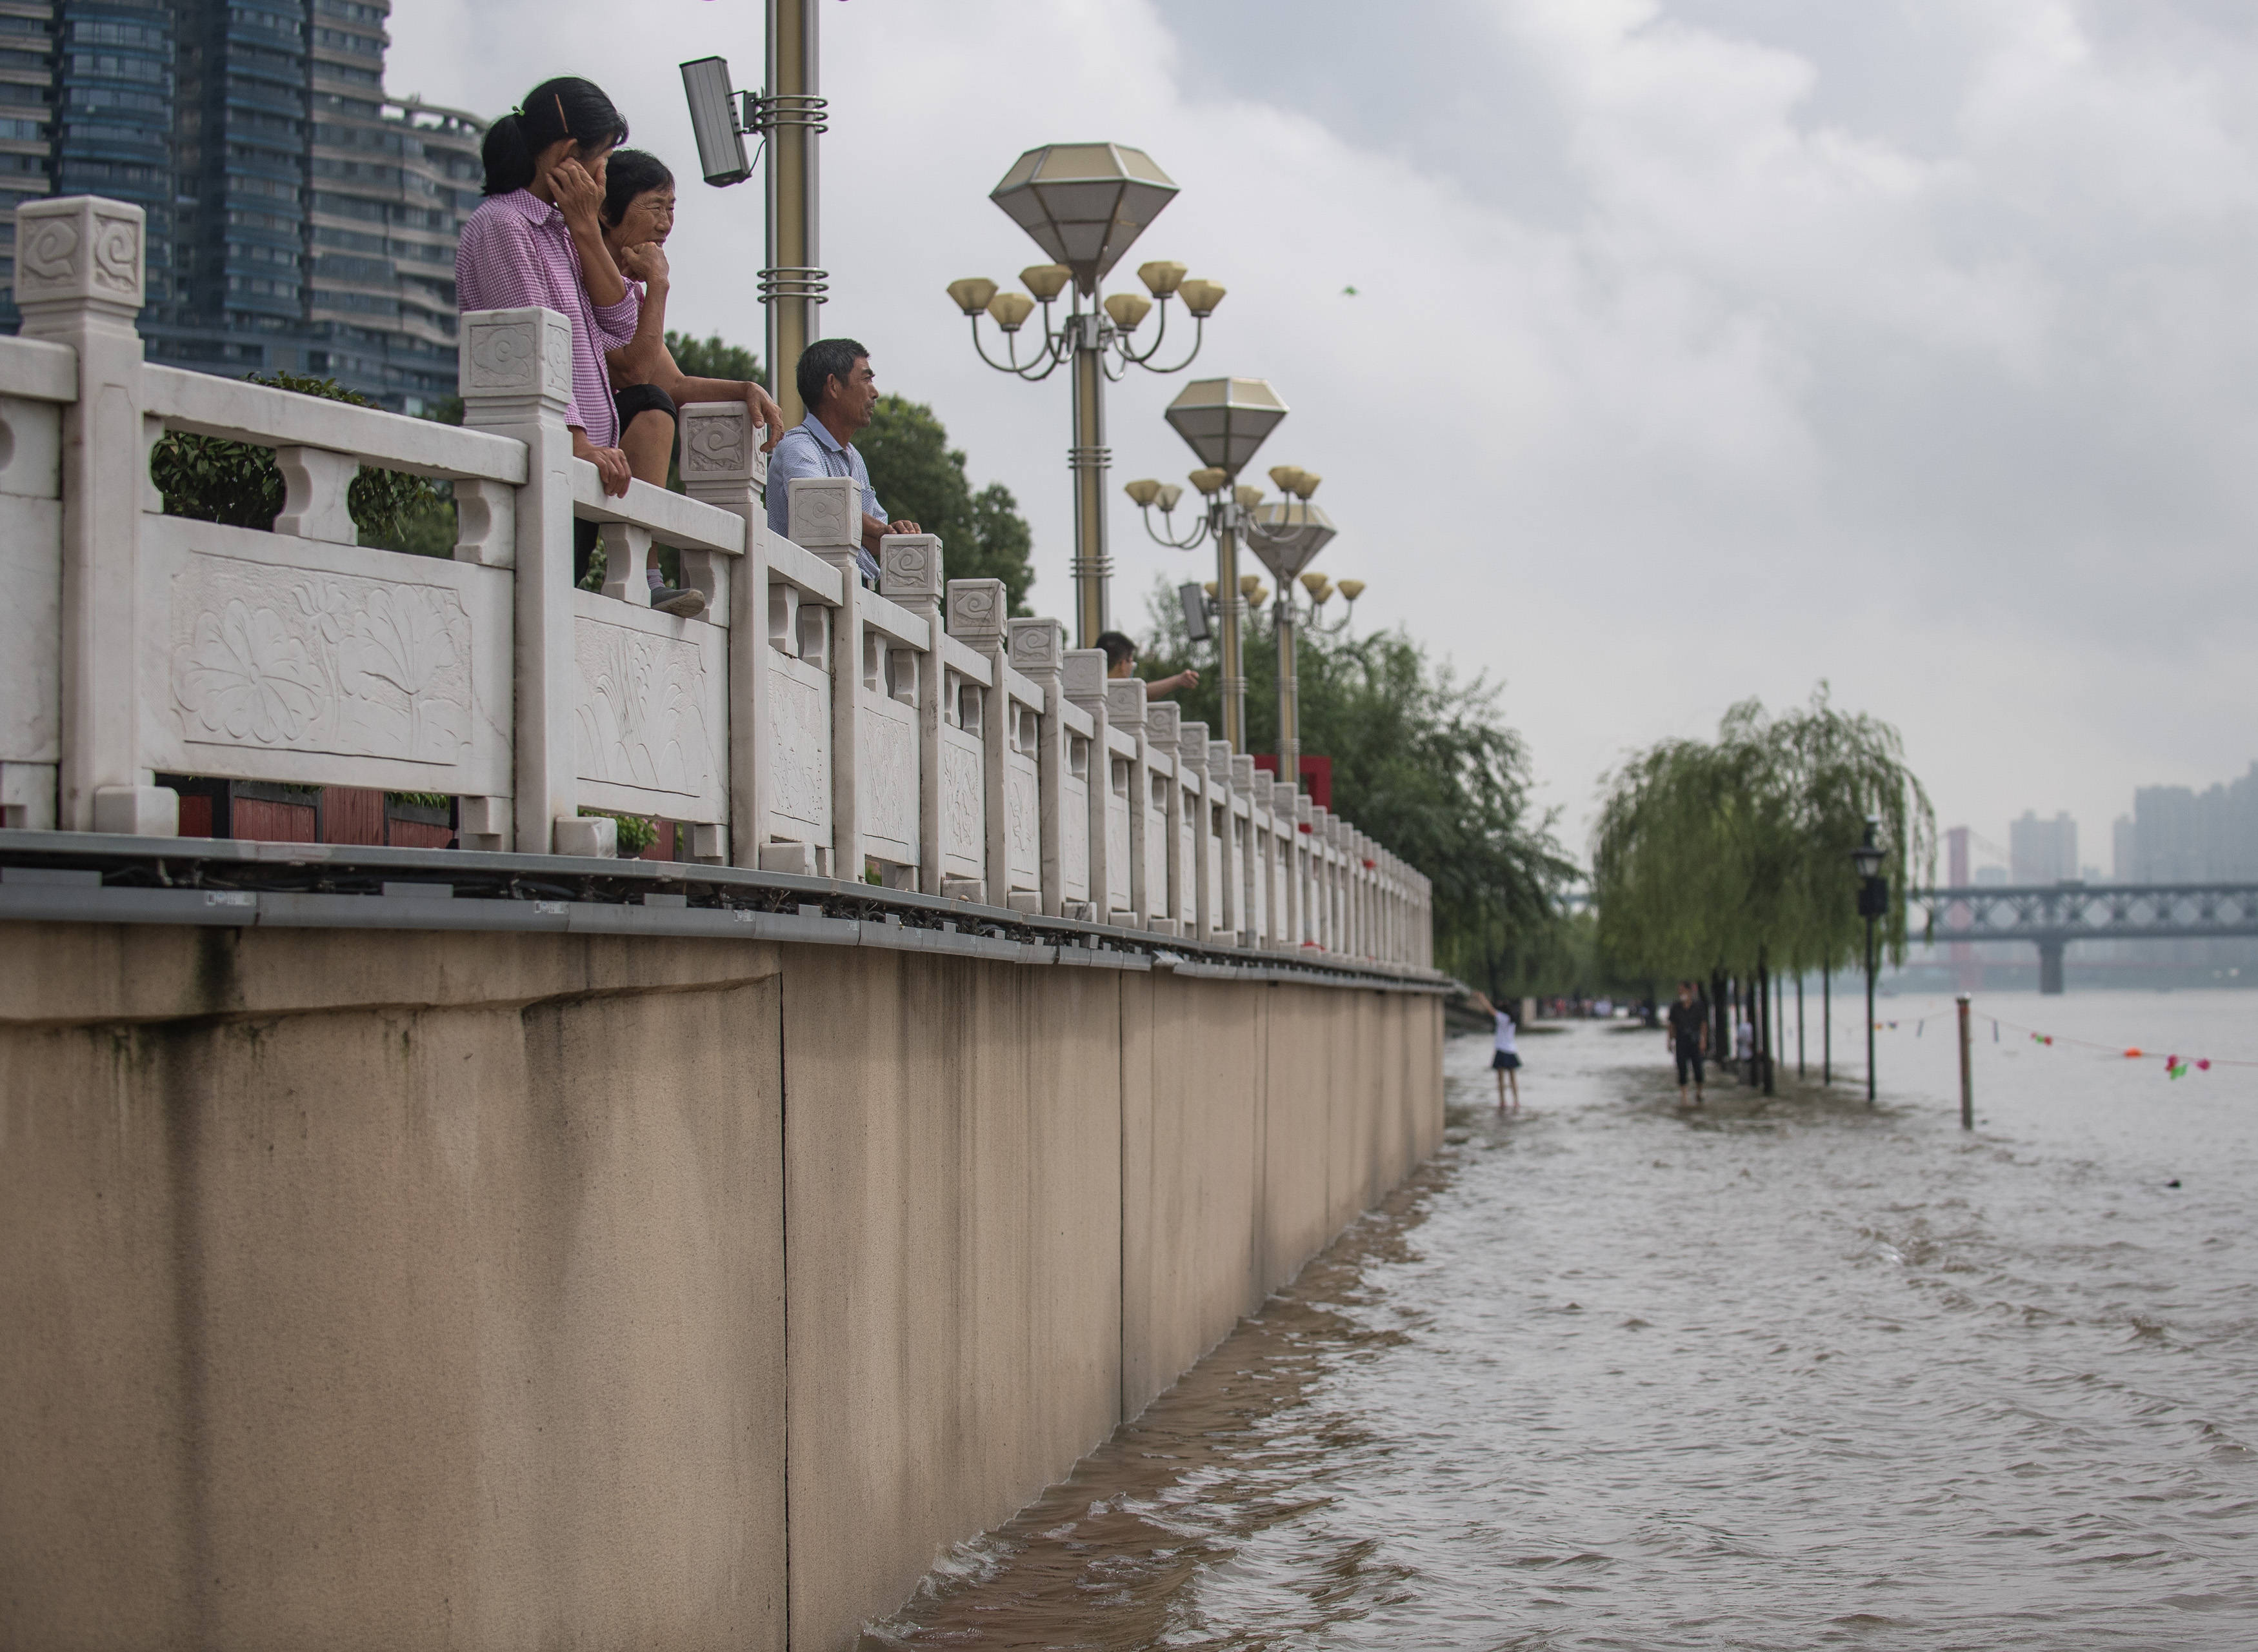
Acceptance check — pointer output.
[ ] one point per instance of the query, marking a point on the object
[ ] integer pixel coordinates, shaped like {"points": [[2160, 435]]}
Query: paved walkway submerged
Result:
{"points": [[1782, 1373]]}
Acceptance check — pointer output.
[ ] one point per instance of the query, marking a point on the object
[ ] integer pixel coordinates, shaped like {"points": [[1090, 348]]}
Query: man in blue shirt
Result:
{"points": [[840, 393]]}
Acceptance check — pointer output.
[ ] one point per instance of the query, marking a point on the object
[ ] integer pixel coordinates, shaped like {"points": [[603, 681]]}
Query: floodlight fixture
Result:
{"points": [[1194, 601], [720, 117]]}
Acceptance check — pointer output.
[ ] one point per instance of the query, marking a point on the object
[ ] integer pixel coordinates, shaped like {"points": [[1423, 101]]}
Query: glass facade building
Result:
{"points": [[298, 220]]}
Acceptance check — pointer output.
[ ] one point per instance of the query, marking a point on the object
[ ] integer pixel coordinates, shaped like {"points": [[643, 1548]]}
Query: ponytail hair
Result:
{"points": [[566, 107]]}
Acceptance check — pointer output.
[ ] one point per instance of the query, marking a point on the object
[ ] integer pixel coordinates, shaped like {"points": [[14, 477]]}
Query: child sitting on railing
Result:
{"points": [[538, 240], [648, 385]]}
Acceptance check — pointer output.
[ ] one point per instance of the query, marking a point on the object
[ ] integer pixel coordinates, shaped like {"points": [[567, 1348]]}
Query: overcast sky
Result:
{"points": [[1699, 350]]}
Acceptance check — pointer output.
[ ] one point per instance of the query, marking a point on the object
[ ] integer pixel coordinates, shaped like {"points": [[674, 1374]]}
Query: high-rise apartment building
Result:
{"points": [[2180, 835], [2042, 851], [298, 220]]}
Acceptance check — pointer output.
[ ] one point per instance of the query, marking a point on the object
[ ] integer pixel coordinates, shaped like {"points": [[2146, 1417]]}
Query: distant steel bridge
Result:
{"points": [[2053, 915]]}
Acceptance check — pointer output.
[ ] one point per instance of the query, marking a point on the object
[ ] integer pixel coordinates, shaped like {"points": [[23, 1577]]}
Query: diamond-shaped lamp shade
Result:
{"points": [[1084, 203], [1289, 533], [1224, 420]]}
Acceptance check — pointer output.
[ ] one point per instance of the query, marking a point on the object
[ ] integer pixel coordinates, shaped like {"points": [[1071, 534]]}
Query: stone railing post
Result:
{"points": [[827, 520], [1242, 877], [1126, 706], [1191, 760], [977, 609], [722, 464], [1328, 905], [1305, 869], [1037, 650], [1294, 923], [1085, 687], [514, 369], [1163, 731], [1262, 898], [79, 281], [909, 575], [1223, 912], [1360, 883]]}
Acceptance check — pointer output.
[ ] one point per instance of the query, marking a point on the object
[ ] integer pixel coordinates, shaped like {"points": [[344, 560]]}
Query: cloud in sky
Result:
{"points": [[1701, 349]]}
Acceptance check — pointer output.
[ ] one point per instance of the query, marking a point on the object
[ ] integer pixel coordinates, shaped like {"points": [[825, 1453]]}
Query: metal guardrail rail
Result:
{"points": [[77, 878]]}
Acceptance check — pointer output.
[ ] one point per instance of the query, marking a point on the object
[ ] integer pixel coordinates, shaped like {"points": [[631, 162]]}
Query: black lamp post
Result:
{"points": [[1873, 901]]}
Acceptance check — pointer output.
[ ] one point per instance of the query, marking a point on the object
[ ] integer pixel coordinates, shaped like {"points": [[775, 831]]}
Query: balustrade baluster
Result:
{"points": [[1085, 689], [516, 370], [1037, 650], [79, 270], [825, 513]]}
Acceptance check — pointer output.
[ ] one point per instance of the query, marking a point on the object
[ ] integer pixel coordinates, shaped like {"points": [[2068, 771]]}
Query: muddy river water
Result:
{"points": [[1778, 1374]]}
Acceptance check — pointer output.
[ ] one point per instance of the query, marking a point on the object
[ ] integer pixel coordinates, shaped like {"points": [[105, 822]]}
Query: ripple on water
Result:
{"points": [[1787, 1373]]}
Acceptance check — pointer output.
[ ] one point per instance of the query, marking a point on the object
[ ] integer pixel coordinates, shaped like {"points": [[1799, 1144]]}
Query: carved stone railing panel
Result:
{"points": [[888, 775], [32, 577], [266, 658], [800, 749], [652, 733]]}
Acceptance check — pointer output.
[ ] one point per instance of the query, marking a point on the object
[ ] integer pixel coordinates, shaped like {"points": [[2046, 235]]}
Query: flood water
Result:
{"points": [[1787, 1375]]}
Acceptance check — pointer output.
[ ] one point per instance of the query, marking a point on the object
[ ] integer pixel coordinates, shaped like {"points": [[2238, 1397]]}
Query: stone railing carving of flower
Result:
{"points": [[248, 677]]}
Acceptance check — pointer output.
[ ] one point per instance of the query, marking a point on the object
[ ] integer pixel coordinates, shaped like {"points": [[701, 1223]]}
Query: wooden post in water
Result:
{"points": [[1827, 1025], [1766, 1041], [1967, 1076], [1799, 1023]]}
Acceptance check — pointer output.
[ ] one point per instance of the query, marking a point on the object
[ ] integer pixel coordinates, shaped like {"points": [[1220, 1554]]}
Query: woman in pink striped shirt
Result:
{"points": [[538, 239]]}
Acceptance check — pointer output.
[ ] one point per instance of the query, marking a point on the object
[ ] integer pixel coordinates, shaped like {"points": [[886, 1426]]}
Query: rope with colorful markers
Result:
{"points": [[2176, 1067]]}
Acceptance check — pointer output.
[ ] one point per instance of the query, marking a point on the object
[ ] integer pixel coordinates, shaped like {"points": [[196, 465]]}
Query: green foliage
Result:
{"points": [[712, 357], [236, 483], [920, 478], [1737, 853], [1423, 762]]}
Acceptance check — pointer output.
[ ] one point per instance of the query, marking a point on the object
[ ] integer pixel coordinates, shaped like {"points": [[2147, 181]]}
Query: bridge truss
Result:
{"points": [[2050, 916]]}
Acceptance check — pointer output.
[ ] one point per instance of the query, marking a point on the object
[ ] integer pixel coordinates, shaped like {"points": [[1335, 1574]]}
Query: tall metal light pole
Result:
{"points": [[1294, 531], [793, 116], [1084, 204], [1223, 420], [1873, 903], [789, 116]]}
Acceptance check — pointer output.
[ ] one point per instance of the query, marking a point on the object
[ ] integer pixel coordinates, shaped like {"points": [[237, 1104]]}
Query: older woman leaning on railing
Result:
{"points": [[538, 241]]}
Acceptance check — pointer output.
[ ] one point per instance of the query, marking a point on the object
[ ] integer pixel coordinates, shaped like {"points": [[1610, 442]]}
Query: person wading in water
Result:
{"points": [[1688, 1038], [1505, 1061]]}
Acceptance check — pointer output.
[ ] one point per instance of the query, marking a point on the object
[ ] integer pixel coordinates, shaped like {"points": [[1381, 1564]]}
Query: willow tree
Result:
{"points": [[1734, 855]]}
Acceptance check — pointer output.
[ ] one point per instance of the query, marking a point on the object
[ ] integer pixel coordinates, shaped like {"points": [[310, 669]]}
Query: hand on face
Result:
{"points": [[580, 194], [646, 263]]}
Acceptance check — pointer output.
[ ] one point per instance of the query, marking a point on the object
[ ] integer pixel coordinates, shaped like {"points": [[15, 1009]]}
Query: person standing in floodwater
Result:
{"points": [[1505, 1059], [1688, 1038]]}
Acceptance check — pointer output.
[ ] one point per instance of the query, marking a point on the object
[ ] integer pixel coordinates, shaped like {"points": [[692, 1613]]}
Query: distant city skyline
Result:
{"points": [[2172, 834]]}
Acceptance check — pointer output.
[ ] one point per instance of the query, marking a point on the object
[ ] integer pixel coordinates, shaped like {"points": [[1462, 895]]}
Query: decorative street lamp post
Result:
{"points": [[1084, 204], [1223, 420], [1291, 533], [1873, 903]]}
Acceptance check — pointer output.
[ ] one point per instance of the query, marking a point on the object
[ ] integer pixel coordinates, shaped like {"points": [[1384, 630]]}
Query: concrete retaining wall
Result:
{"points": [[458, 1289]]}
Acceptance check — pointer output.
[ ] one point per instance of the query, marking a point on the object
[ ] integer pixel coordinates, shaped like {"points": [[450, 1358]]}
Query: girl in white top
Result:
{"points": [[1505, 1061]]}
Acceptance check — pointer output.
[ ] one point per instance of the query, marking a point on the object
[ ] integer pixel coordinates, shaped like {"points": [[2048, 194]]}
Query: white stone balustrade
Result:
{"points": [[802, 724]]}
